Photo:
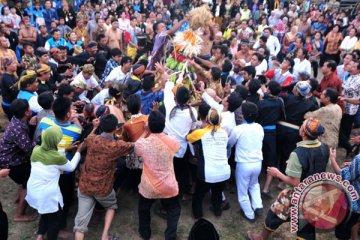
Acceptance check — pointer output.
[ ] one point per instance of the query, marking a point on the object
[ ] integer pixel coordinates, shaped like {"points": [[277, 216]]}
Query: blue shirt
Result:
{"points": [[147, 98], [321, 27], [352, 174]]}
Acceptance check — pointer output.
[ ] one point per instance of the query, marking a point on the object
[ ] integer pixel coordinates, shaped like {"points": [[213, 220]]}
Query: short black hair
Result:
{"points": [[203, 110], [242, 90], [133, 103], [182, 95], [108, 123], [263, 38], [115, 52], [314, 84], [216, 73], [274, 88], [64, 89], [250, 70], [155, 26], [332, 94], [27, 44], [259, 56], [54, 31], [125, 60], [223, 49], [100, 36], [227, 66], [290, 61], [331, 64], [19, 107], [46, 100], [234, 101], [250, 111], [148, 82], [61, 107], [156, 122], [254, 86]]}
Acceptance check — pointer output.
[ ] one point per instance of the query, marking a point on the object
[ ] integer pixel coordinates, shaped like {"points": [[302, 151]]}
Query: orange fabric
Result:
{"points": [[158, 177], [134, 128]]}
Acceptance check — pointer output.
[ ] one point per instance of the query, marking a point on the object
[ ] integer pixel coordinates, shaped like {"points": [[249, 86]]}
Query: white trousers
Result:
{"points": [[247, 175]]}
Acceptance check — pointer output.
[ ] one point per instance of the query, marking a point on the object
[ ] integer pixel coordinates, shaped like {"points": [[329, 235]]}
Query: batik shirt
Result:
{"points": [[15, 145]]}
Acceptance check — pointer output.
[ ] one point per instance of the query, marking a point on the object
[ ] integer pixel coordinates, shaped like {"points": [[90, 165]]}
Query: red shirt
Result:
{"points": [[332, 81]]}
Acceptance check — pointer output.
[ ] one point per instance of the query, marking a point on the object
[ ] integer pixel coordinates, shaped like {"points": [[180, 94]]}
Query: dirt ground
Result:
{"points": [[231, 226]]}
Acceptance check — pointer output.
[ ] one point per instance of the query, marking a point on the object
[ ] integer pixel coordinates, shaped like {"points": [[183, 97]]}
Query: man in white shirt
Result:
{"points": [[119, 74], [248, 138], [272, 44], [86, 76]]}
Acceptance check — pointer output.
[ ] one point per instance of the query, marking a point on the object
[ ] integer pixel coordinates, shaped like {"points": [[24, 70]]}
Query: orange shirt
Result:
{"points": [[158, 176]]}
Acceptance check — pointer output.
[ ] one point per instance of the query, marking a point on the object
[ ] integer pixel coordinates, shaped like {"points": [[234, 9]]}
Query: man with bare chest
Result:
{"points": [[114, 35], [208, 38], [27, 34]]}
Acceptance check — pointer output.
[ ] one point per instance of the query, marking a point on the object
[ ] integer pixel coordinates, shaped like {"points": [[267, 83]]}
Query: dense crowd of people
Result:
{"points": [[87, 89]]}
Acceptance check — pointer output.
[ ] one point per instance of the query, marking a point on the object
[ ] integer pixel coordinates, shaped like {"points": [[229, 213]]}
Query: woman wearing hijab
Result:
{"points": [[43, 186]]}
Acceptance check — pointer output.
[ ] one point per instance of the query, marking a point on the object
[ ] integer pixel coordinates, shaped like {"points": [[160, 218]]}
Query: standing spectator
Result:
{"points": [[50, 15], [71, 130], [5, 51], [213, 168], [28, 34], [248, 140], [330, 78], [332, 43], [114, 35], [349, 41], [317, 48], [301, 63], [8, 85], [329, 115], [296, 105], [271, 110], [67, 14], [158, 178], [351, 90], [44, 192], [82, 32], [103, 152], [42, 37], [15, 150]]}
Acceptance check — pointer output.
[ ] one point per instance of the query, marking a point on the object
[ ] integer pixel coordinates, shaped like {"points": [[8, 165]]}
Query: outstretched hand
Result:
{"points": [[273, 171]]}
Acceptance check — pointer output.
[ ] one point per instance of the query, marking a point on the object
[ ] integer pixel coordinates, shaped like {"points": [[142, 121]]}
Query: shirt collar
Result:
{"points": [[309, 143]]}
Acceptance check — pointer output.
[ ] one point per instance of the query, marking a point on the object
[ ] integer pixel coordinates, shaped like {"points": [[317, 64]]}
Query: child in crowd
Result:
{"points": [[29, 59]]}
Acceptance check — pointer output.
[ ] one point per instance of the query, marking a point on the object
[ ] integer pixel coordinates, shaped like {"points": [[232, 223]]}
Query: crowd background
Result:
{"points": [[92, 68]]}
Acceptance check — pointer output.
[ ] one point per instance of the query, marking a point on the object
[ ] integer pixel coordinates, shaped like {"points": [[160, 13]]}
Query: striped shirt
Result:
{"points": [[71, 133]]}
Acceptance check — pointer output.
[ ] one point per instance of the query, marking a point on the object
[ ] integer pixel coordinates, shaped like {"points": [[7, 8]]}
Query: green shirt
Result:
{"points": [[294, 168]]}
